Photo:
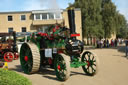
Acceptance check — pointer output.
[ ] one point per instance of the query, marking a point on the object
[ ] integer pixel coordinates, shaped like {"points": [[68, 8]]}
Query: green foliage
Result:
{"points": [[108, 17], [100, 18], [91, 18], [122, 26], [12, 78]]}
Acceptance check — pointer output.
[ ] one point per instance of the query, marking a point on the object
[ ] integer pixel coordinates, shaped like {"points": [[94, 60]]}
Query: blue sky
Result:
{"points": [[122, 7], [26, 5]]}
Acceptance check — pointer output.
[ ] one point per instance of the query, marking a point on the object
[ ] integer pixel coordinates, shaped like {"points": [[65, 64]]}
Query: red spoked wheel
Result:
{"points": [[16, 56], [8, 56]]}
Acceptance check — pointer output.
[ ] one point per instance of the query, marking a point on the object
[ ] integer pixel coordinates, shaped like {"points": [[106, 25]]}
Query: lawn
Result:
{"points": [[12, 78]]}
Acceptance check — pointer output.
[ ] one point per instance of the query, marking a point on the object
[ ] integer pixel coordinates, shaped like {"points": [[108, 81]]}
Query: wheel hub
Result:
{"points": [[88, 63], [58, 67], [26, 58]]}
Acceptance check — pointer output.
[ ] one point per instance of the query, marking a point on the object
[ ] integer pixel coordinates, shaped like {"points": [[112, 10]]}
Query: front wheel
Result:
{"points": [[92, 63], [62, 66]]}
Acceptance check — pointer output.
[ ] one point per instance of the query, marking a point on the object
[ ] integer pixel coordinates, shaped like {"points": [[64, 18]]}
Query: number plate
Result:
{"points": [[48, 53]]}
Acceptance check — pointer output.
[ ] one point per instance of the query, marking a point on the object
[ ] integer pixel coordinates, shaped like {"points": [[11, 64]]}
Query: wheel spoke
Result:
{"points": [[94, 64], [92, 58], [23, 49], [88, 69], [93, 69], [27, 53], [85, 59], [94, 61], [88, 56]]}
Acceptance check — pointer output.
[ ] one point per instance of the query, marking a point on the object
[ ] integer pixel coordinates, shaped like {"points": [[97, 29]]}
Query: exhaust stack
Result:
{"points": [[71, 19]]}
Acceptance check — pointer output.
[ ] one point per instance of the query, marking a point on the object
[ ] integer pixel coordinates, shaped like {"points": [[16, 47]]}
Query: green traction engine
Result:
{"points": [[58, 48]]}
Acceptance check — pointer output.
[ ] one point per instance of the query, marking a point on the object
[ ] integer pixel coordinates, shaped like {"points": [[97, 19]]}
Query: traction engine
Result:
{"points": [[58, 48]]}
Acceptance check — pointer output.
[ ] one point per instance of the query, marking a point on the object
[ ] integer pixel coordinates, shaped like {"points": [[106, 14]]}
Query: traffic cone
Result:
{"points": [[5, 67]]}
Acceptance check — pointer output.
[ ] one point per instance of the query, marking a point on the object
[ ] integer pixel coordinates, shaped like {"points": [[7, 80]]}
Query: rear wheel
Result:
{"points": [[29, 58], [62, 66], [92, 63], [8, 56]]}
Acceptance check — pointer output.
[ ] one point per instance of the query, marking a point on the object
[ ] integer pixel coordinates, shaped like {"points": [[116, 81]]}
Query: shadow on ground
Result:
{"points": [[17, 68], [120, 48], [50, 73]]}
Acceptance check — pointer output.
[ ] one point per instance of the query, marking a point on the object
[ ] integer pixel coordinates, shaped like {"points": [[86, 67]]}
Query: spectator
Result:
{"points": [[107, 43], [115, 43], [101, 43], [112, 42], [126, 47], [98, 43], [104, 43]]}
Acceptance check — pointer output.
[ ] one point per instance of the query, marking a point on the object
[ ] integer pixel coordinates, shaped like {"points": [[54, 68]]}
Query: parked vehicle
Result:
{"points": [[8, 47]]}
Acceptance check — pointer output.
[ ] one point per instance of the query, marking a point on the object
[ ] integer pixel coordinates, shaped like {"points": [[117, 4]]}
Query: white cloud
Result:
{"points": [[21, 5], [40, 4]]}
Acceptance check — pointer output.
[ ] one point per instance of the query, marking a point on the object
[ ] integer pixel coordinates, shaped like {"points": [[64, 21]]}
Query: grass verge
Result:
{"points": [[12, 78]]}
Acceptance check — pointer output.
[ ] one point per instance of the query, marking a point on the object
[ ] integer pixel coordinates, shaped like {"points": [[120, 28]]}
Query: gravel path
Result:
{"points": [[113, 70]]}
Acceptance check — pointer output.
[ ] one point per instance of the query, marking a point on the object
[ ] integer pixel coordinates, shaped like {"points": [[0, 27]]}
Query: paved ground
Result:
{"points": [[113, 70]]}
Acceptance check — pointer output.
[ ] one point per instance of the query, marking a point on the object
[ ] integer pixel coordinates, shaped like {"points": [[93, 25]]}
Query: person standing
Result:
{"points": [[115, 43], [126, 47], [107, 43]]}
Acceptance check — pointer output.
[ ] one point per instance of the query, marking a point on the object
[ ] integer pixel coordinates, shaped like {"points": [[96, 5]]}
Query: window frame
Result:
{"points": [[51, 17], [22, 18], [45, 16], [9, 30], [36, 16], [23, 28], [9, 18]]}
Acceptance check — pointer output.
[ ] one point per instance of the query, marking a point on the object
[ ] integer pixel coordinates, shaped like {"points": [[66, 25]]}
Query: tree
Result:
{"points": [[91, 17], [100, 18], [108, 17], [122, 26]]}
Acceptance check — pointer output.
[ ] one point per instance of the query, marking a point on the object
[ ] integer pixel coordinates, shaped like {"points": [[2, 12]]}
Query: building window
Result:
{"points": [[10, 18], [51, 16], [37, 16], [23, 17], [58, 16], [44, 16], [10, 29], [23, 29]]}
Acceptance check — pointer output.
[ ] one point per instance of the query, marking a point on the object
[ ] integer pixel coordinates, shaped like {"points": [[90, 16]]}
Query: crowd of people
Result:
{"points": [[105, 43]]}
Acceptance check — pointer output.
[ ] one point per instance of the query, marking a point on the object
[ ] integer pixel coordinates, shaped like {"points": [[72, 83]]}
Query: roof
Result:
{"points": [[15, 12], [38, 11]]}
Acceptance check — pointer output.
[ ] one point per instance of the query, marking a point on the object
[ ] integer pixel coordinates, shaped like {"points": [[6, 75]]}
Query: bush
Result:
{"points": [[12, 78]]}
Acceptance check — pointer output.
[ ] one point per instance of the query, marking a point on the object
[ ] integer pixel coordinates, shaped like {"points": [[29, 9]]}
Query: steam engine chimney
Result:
{"points": [[71, 19]]}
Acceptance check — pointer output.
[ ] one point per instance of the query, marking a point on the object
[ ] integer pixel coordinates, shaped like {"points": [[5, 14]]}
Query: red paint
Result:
{"points": [[74, 35], [58, 67], [16, 56], [50, 61], [54, 30], [57, 27], [60, 51], [8, 56], [42, 34], [26, 58], [88, 63]]}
